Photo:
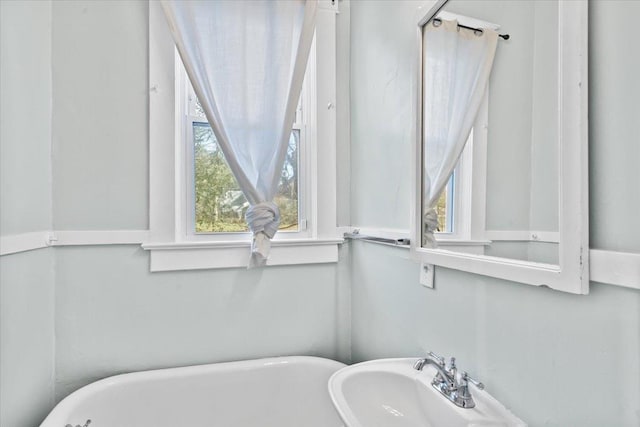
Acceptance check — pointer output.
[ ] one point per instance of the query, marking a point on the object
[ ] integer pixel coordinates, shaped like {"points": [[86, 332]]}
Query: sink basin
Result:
{"points": [[390, 393]]}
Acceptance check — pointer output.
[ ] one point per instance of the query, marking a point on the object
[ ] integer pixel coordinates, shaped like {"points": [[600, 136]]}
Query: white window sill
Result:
{"points": [[174, 256]]}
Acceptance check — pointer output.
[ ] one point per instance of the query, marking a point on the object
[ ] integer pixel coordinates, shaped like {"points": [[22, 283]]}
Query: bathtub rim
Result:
{"points": [[60, 412]]}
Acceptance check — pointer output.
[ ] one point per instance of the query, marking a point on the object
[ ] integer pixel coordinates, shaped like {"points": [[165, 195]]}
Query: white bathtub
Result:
{"points": [[274, 392]]}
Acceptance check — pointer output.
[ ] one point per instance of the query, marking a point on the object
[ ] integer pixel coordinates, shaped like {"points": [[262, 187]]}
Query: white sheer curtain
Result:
{"points": [[246, 61], [456, 67]]}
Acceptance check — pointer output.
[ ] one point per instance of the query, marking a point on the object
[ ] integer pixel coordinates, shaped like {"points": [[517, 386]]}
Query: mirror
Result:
{"points": [[516, 205]]}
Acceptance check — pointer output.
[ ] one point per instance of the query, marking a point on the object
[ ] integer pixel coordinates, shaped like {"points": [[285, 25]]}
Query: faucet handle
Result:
{"points": [[452, 363], [465, 378], [452, 369], [436, 358]]}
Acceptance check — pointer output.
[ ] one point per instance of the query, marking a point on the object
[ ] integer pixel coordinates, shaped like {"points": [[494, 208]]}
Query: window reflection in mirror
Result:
{"points": [[521, 218]]}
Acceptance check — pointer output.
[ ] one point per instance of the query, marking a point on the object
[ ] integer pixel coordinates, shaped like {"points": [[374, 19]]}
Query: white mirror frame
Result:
{"points": [[572, 273]]}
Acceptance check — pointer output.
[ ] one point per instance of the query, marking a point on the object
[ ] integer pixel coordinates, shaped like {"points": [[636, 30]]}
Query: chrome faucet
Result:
{"points": [[444, 376], [447, 382]]}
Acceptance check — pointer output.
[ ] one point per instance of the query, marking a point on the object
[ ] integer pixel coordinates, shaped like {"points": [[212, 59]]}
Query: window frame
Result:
{"points": [[168, 246], [185, 120]]}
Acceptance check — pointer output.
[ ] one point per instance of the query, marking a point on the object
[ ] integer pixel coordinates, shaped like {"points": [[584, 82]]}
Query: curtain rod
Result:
{"points": [[502, 36]]}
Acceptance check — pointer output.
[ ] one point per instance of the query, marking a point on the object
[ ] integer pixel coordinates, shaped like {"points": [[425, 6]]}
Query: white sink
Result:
{"points": [[390, 393]]}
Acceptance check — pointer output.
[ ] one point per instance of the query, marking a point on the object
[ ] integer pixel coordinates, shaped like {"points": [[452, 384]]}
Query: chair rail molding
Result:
{"points": [[608, 267], [16, 243], [615, 268]]}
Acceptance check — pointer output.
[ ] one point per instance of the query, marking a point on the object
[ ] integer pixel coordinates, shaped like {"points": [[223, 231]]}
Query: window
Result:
{"points": [[445, 207], [461, 208], [214, 203], [194, 225]]}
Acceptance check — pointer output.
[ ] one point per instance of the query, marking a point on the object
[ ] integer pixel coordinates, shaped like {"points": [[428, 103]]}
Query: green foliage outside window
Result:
{"points": [[220, 205], [441, 211]]}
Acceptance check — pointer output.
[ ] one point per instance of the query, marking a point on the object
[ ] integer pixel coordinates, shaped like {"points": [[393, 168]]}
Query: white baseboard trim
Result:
{"points": [[615, 268], [23, 242]]}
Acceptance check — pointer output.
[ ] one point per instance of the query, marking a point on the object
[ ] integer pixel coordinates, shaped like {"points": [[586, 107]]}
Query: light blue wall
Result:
{"points": [[113, 315], [25, 117], [100, 115], [26, 279], [614, 151], [380, 114], [26, 338], [547, 355]]}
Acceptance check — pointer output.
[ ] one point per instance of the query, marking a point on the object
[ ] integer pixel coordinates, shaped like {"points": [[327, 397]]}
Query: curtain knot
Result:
{"points": [[430, 221], [263, 218]]}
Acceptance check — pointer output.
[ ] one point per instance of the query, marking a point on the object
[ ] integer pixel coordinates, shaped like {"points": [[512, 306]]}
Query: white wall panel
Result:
{"points": [[100, 115], [614, 133], [113, 315], [26, 338], [25, 117]]}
